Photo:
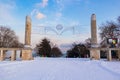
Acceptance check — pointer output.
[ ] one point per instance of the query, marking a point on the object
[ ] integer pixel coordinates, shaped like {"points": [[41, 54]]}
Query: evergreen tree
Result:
{"points": [[44, 48], [56, 52]]}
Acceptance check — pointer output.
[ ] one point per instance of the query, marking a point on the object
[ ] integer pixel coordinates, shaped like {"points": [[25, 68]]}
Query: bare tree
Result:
{"points": [[88, 42], [109, 30], [17, 44], [118, 19], [8, 38]]}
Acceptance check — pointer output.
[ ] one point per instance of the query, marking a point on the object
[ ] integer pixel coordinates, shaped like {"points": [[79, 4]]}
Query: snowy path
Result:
{"points": [[59, 69]]}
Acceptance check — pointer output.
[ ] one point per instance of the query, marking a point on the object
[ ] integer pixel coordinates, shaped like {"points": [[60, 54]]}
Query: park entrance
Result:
{"points": [[27, 50]]}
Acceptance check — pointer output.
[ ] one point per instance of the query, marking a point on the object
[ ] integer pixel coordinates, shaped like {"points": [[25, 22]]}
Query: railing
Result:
{"points": [[95, 53], [26, 53]]}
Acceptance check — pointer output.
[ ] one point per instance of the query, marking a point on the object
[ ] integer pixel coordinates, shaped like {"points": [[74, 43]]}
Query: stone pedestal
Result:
{"points": [[1, 55], [27, 54], [109, 56], [13, 55], [95, 54]]}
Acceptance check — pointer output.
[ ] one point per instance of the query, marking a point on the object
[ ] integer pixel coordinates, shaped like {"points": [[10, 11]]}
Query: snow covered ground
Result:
{"points": [[60, 69]]}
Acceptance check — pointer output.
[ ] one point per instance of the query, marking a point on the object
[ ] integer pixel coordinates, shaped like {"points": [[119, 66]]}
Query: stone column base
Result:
{"points": [[27, 54], [95, 54]]}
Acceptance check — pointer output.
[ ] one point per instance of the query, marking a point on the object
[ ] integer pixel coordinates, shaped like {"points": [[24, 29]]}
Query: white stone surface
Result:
{"points": [[93, 17]]}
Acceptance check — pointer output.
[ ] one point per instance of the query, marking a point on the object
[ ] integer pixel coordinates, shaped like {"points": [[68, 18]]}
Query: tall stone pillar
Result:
{"points": [[95, 53], [93, 30], [27, 51], [28, 31]]}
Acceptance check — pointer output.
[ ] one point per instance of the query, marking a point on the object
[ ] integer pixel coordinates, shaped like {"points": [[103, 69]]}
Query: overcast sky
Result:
{"points": [[72, 15]]}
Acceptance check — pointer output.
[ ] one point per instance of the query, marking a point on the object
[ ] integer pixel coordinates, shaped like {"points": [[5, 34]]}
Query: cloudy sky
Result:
{"points": [[72, 16]]}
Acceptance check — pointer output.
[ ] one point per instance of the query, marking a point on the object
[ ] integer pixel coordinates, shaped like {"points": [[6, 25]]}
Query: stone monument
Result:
{"points": [[94, 52], [27, 51]]}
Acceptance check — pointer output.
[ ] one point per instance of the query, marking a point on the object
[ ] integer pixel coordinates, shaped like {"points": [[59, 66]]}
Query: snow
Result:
{"points": [[60, 69]]}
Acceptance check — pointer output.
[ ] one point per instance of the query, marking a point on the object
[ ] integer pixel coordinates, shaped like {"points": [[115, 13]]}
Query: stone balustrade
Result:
{"points": [[95, 53], [26, 53]]}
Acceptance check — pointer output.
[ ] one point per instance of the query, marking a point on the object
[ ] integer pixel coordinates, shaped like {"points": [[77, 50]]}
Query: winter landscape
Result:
{"points": [[59, 40]]}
